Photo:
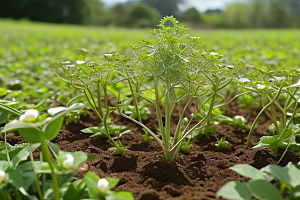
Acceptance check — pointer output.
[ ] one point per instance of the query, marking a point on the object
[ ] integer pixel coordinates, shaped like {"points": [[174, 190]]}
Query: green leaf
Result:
{"points": [[16, 179], [113, 182], [91, 157], [149, 94], [51, 129], [278, 172], [261, 189], [111, 89], [22, 155], [120, 196], [292, 169], [91, 181], [248, 171], [4, 165], [74, 190], [235, 190]]}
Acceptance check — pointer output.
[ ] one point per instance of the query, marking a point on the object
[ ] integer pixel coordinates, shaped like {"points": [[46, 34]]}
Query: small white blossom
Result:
{"points": [[230, 66], [260, 87], [67, 164], [80, 62], [240, 118], [102, 185], [29, 116], [108, 55], [244, 80], [213, 53], [2, 176]]}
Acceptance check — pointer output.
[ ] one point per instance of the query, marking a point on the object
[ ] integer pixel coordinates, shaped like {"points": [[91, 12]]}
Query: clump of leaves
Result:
{"points": [[221, 143], [270, 182]]}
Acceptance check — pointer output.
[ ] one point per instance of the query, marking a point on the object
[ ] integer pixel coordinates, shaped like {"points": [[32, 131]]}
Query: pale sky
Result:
{"points": [[200, 5]]}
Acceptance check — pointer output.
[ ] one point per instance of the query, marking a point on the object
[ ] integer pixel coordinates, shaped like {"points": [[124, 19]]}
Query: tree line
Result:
{"points": [[147, 13]]}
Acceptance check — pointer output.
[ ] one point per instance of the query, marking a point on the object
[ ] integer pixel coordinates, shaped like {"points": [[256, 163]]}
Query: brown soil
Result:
{"points": [[197, 176]]}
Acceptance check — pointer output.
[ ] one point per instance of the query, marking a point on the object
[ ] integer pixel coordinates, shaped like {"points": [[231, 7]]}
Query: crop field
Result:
{"points": [[166, 114], [29, 51]]}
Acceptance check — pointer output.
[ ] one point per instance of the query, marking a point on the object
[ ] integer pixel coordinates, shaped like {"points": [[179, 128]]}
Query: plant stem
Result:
{"points": [[105, 119], [260, 113], [6, 149], [99, 99], [37, 184], [167, 119], [158, 113], [47, 155], [145, 127]]}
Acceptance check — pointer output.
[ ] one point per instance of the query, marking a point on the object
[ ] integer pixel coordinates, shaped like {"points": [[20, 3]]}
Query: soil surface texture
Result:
{"points": [[197, 176]]}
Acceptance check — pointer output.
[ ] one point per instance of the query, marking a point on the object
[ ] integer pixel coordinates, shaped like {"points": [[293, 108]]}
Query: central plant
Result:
{"points": [[171, 70]]}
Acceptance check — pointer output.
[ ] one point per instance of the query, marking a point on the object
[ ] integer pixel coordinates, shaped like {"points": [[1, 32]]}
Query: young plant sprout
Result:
{"points": [[283, 85], [170, 70], [90, 77], [221, 143]]}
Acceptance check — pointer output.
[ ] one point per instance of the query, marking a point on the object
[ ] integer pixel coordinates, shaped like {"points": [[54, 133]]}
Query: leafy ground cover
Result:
{"points": [[28, 52]]}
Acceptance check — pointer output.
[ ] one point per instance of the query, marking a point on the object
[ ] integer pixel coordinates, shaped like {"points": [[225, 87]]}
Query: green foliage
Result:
{"points": [[221, 143], [259, 187], [170, 70], [142, 15], [191, 16], [62, 11], [114, 130]]}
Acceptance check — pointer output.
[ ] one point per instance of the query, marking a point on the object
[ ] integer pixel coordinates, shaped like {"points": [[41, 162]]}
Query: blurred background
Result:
{"points": [[37, 34], [204, 14]]}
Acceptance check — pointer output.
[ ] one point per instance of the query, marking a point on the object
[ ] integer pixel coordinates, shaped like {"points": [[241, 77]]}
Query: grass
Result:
{"points": [[29, 51]]}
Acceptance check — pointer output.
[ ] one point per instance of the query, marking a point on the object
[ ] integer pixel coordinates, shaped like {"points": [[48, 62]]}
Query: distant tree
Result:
{"points": [[118, 14], [56, 11], [142, 15], [165, 7], [213, 11], [192, 16]]}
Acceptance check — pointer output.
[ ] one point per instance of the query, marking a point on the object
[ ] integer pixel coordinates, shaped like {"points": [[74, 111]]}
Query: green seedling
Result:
{"points": [[89, 77], [271, 86], [270, 182], [143, 111], [221, 143], [74, 117], [236, 121], [170, 70]]}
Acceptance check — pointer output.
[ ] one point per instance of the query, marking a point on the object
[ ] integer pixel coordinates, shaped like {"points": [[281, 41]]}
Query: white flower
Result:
{"points": [[244, 80], [29, 116], [230, 66], [67, 164], [102, 185], [240, 118], [108, 55], [2, 176], [213, 53], [53, 111], [260, 87], [80, 62]]}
